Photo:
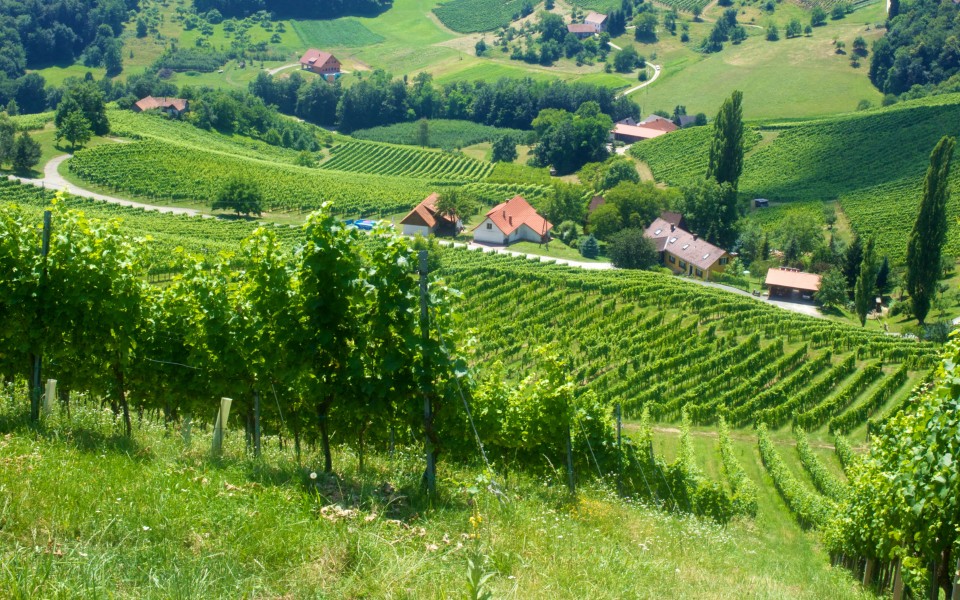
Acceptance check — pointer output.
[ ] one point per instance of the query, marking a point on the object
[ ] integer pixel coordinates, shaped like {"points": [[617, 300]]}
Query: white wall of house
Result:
{"points": [[525, 233], [489, 233], [416, 230]]}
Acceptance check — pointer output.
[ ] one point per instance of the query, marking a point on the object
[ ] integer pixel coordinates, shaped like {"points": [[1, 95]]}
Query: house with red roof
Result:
{"points": [[174, 107], [320, 62], [658, 122], [512, 221], [581, 30], [683, 252], [425, 220]]}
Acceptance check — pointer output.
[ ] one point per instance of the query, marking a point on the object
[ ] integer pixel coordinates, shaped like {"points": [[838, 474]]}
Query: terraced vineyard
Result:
{"points": [[470, 16], [448, 134], [160, 171], [686, 5], [682, 155], [403, 161]]}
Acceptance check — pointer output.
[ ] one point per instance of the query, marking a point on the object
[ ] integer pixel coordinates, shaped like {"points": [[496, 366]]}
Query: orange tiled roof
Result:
{"points": [[510, 215], [792, 278]]}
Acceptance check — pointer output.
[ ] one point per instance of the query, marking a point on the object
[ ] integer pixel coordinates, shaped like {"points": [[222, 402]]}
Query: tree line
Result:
{"points": [[380, 99], [315, 9]]}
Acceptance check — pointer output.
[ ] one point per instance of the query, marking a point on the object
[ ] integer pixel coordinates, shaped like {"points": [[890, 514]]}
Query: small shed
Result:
{"points": [[792, 284], [761, 203]]}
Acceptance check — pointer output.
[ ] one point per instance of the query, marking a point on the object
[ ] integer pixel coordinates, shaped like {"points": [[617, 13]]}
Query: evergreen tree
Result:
{"points": [[726, 151], [8, 132], [883, 276], [589, 248], [866, 282], [925, 244], [851, 267], [26, 153]]}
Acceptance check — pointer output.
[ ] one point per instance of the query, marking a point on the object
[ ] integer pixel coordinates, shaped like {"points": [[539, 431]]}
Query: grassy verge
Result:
{"points": [[87, 512]]}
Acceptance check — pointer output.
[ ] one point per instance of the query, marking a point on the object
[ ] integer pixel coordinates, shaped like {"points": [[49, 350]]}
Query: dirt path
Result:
{"points": [[733, 435], [276, 70], [54, 180]]}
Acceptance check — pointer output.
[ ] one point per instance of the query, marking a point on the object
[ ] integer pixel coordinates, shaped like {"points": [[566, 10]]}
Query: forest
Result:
{"points": [[295, 8]]}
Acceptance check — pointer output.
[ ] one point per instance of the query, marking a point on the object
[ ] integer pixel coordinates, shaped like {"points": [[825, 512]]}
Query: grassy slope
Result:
{"points": [[789, 78], [84, 510]]}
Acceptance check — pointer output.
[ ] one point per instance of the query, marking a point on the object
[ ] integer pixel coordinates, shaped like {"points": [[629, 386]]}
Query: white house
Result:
{"points": [[597, 20], [512, 221]]}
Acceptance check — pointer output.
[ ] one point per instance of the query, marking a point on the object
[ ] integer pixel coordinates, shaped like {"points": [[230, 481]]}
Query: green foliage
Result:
{"points": [[726, 151], [568, 141], [605, 221], [631, 249], [504, 149], [240, 195], [589, 247], [87, 98], [833, 290], [904, 494], [822, 478], [929, 233], [864, 297], [26, 153], [683, 155], [744, 489], [74, 128], [810, 509], [845, 422], [711, 210]]}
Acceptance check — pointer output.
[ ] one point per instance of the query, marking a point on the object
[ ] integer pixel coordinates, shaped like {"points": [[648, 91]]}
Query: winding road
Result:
{"points": [[656, 73], [54, 180]]}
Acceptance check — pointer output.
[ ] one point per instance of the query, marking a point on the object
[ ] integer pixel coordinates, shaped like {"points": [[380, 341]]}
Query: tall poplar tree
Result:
{"points": [[726, 151], [929, 231], [866, 282]]}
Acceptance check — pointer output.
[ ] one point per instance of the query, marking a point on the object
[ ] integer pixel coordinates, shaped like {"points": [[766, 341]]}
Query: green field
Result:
{"points": [[346, 33], [792, 78], [404, 161]]}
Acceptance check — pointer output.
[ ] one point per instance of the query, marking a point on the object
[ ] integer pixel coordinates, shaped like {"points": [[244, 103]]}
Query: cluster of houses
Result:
{"points": [[508, 222], [629, 130]]}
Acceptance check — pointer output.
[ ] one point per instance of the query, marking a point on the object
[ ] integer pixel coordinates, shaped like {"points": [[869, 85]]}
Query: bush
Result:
{"points": [[631, 249], [589, 248]]}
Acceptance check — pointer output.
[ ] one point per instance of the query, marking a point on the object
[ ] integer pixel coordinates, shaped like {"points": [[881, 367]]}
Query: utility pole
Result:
{"points": [[35, 383], [431, 473]]}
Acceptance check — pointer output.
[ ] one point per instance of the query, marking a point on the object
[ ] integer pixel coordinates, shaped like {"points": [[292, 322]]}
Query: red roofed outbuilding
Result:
{"points": [[320, 62], [785, 283], [424, 219], [512, 221], [172, 106]]}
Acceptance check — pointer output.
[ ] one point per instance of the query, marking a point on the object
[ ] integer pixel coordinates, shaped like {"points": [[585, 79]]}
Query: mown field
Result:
{"points": [[873, 162], [644, 340]]}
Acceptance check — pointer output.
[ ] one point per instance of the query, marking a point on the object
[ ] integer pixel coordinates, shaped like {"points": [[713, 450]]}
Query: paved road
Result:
{"points": [[53, 180], [594, 266], [656, 73]]}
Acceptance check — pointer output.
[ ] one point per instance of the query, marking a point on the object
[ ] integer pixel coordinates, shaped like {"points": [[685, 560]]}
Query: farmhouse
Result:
{"points": [[174, 107], [320, 62], [581, 30], [658, 122], [425, 220], [789, 284], [685, 252], [597, 20], [512, 221], [634, 133]]}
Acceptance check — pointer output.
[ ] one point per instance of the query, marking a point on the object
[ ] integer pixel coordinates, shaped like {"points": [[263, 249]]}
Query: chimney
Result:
{"points": [[695, 236], [672, 226], [510, 218]]}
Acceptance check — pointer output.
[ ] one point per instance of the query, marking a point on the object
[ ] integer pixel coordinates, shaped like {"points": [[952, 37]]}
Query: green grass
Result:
{"points": [[789, 78], [85, 509], [489, 71], [346, 33]]}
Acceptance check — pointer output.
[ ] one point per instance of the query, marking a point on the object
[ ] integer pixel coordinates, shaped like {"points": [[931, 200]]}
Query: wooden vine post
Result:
{"points": [[956, 582], [49, 394], [256, 424], [220, 426], [430, 475], [571, 483], [619, 451], [35, 382]]}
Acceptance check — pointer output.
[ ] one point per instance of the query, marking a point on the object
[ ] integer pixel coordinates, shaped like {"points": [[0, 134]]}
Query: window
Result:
{"points": [[699, 273], [671, 258], [683, 264], [685, 246], [724, 260], [672, 240], [489, 225]]}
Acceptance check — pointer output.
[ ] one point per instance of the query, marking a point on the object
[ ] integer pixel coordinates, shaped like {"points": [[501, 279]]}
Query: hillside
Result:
{"points": [[872, 161]]}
